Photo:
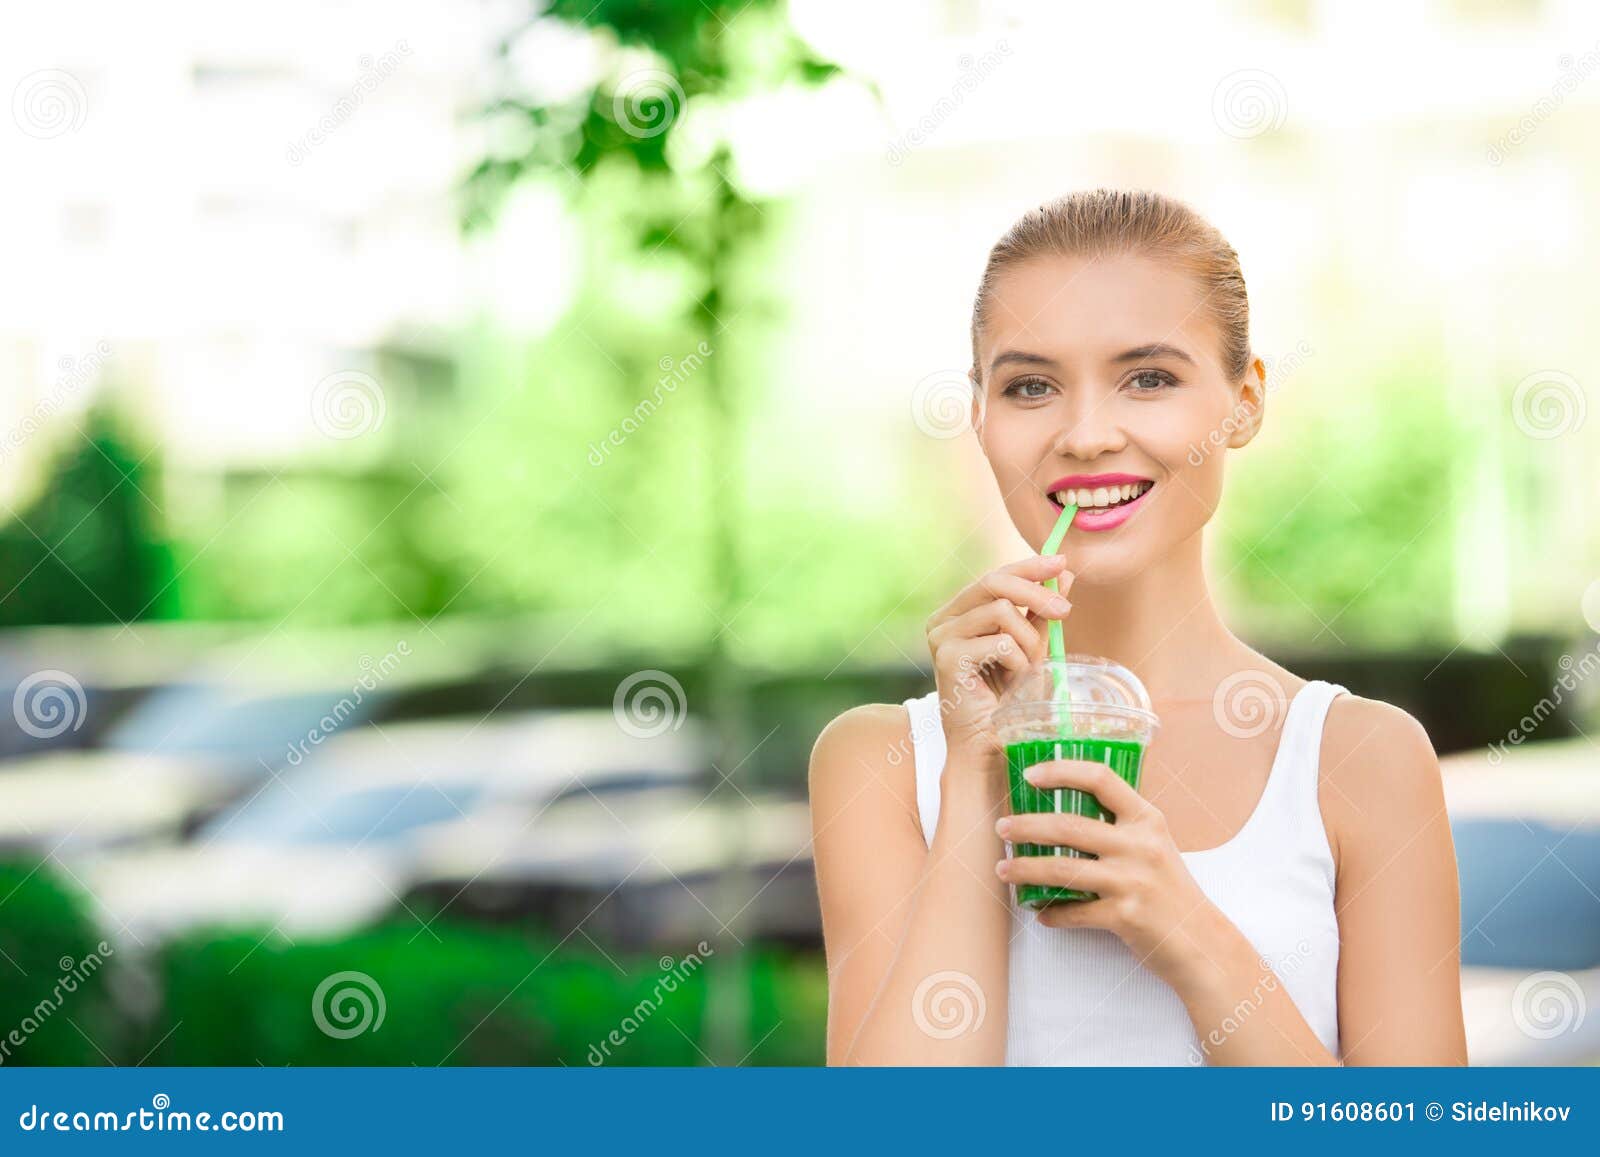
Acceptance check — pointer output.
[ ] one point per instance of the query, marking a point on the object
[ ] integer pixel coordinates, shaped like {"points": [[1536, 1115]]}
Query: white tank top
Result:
{"points": [[1077, 996]]}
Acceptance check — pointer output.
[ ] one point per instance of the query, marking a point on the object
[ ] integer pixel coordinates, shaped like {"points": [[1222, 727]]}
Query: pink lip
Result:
{"points": [[1111, 519], [1090, 481]]}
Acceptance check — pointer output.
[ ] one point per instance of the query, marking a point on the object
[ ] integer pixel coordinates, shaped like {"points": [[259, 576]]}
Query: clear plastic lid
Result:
{"points": [[1103, 698]]}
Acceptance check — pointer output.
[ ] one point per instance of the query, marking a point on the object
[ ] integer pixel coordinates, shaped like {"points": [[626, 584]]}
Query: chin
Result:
{"points": [[1108, 564]]}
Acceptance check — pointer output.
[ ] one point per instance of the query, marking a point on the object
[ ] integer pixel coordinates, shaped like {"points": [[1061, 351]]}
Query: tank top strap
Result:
{"points": [[1295, 779], [928, 755]]}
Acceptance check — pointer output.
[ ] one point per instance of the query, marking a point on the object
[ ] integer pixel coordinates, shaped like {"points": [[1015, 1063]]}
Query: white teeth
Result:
{"points": [[1101, 497]]}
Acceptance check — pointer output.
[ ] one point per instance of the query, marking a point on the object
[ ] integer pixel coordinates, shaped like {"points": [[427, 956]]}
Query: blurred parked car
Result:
{"points": [[64, 687], [335, 842], [1526, 822], [641, 868], [177, 756]]}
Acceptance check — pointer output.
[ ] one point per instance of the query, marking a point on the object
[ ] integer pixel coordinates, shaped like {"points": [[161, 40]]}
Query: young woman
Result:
{"points": [[1282, 887]]}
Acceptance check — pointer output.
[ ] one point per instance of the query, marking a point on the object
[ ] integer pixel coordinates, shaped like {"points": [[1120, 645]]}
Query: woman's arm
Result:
{"points": [[1399, 909], [1398, 899], [917, 937]]}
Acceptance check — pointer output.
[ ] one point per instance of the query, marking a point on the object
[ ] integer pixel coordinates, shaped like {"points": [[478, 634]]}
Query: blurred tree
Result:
{"points": [[648, 125], [88, 547], [1355, 550]]}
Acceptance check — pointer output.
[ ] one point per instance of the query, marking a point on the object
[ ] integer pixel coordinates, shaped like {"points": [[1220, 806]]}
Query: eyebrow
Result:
{"points": [[1136, 354], [1153, 350]]}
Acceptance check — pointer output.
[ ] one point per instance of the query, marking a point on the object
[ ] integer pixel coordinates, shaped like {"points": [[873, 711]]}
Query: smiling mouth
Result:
{"points": [[1091, 501]]}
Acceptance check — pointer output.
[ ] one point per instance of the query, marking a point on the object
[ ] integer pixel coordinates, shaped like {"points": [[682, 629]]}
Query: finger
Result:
{"points": [[1033, 596], [1018, 581], [987, 620], [1063, 831], [1113, 792], [966, 658], [1078, 872], [1077, 914]]}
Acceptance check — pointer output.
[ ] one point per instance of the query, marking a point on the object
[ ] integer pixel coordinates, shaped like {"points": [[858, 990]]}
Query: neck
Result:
{"points": [[1161, 624]]}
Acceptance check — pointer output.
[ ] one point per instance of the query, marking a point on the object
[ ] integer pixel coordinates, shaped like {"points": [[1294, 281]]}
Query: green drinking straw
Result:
{"points": [[1058, 645]]}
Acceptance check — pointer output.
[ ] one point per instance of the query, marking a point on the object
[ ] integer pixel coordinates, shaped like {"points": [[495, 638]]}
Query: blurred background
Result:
{"points": [[457, 457]]}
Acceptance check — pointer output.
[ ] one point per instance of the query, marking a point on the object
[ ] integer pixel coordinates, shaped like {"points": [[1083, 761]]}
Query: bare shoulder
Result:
{"points": [[1371, 738], [1379, 774], [862, 754]]}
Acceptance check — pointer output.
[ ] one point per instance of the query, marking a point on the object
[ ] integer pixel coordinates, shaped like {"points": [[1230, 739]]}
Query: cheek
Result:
{"points": [[1014, 449], [1188, 441]]}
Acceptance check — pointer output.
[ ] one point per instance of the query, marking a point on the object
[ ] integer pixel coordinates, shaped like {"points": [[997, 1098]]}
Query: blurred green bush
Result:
{"points": [[55, 1000], [473, 996], [87, 547]]}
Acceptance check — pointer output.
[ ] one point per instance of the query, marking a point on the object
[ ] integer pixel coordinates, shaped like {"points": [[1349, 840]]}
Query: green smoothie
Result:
{"points": [[1123, 756]]}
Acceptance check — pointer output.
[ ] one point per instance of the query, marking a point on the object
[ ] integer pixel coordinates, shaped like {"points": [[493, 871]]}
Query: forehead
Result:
{"points": [[1074, 308]]}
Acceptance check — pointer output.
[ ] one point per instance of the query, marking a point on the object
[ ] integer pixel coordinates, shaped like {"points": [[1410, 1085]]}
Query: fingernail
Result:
{"points": [[1059, 605], [1031, 774], [1002, 826], [1000, 868]]}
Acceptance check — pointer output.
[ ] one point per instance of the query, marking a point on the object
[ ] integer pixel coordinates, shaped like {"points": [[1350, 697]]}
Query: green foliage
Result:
{"points": [[55, 995], [1347, 530], [705, 51], [87, 549], [473, 996], [318, 547]]}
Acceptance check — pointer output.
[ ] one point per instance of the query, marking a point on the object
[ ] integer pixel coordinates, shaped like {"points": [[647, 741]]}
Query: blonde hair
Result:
{"points": [[1109, 221]]}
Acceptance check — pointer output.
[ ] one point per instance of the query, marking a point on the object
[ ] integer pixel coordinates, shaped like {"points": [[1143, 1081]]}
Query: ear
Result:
{"points": [[1251, 408]]}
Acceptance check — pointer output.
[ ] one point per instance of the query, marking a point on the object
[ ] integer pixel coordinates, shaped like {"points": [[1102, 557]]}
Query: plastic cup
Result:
{"points": [[1109, 721]]}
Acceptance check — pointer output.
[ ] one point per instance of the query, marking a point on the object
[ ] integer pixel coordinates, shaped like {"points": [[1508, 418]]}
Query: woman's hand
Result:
{"points": [[981, 639], [1147, 896]]}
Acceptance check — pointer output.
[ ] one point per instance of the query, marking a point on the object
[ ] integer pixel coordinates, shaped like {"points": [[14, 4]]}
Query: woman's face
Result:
{"points": [[1108, 366]]}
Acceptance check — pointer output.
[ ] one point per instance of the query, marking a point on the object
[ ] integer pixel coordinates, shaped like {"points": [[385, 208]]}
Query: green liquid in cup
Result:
{"points": [[1123, 756]]}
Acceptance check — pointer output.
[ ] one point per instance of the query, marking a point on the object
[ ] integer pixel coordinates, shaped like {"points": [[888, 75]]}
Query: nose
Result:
{"points": [[1089, 430]]}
